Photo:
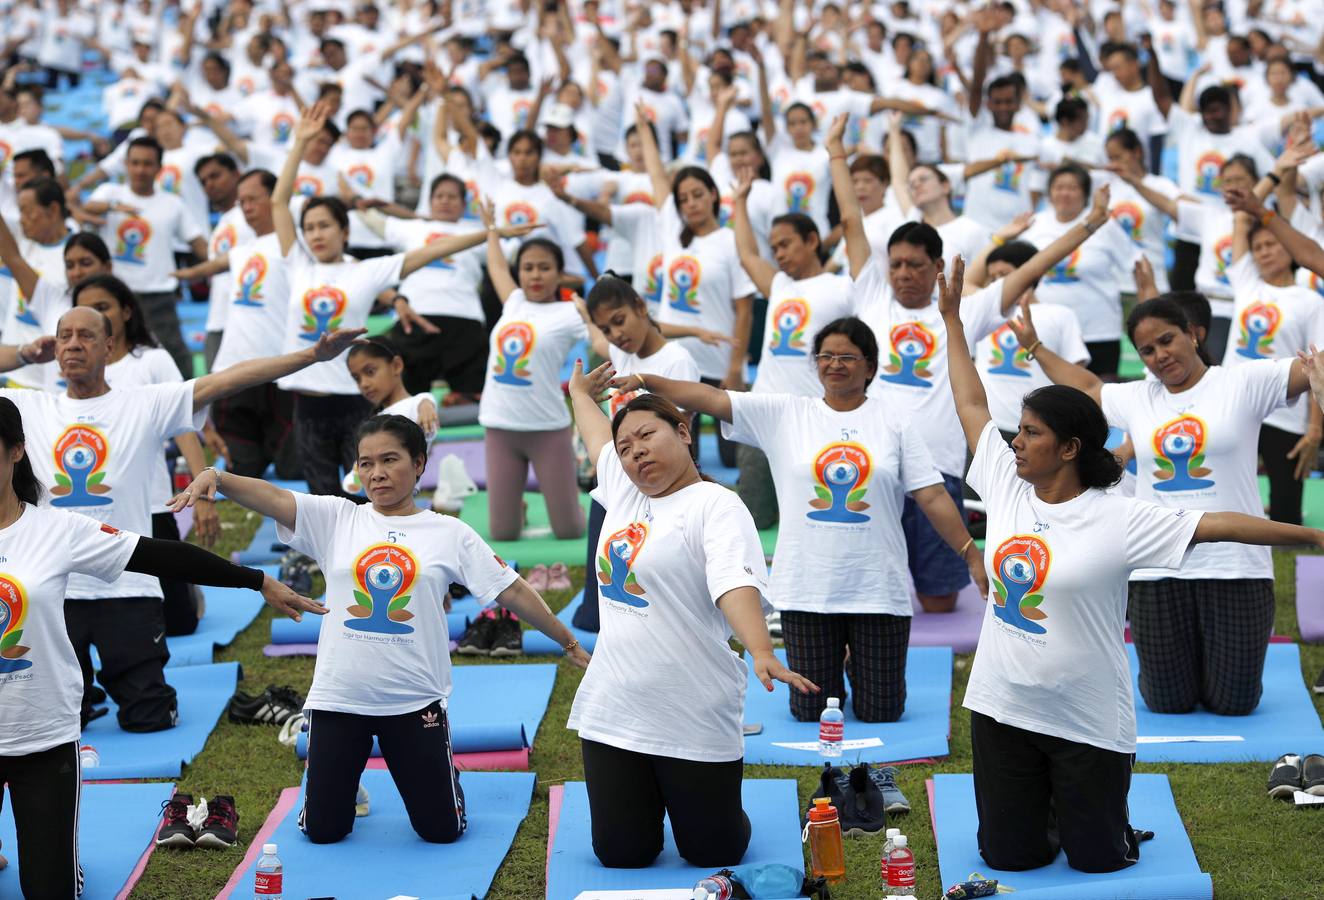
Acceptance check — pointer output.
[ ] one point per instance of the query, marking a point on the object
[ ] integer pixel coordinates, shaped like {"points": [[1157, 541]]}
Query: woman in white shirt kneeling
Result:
{"points": [[660, 712]]}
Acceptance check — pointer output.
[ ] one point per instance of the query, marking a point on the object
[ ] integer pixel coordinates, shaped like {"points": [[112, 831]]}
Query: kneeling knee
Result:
{"points": [[626, 857], [324, 834], [1226, 708], [439, 834]]}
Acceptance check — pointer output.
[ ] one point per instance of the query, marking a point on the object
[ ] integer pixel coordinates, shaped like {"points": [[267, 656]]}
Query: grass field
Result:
{"points": [[1253, 847]]}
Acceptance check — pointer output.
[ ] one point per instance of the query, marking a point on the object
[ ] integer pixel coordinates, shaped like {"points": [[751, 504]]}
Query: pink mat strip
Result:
{"points": [[554, 798], [517, 760], [933, 819], [287, 801]]}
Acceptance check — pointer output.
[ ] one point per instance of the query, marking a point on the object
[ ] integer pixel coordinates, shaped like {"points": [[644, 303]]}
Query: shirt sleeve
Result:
{"points": [[171, 408], [1264, 383], [917, 468], [382, 272], [95, 548], [1116, 401], [1243, 275], [732, 552], [869, 293], [614, 486], [314, 525], [756, 419], [1158, 537], [483, 572], [1190, 220], [993, 468]]}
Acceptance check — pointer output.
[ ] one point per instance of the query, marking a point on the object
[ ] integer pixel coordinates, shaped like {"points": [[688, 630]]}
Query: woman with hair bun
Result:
{"points": [[1052, 720]]}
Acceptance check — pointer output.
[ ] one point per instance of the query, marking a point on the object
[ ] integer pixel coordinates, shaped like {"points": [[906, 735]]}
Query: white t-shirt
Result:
{"points": [[764, 203], [142, 246], [324, 297], [1136, 110], [804, 178], [255, 324], [231, 231], [528, 346], [271, 118], [138, 367], [446, 286], [1201, 154], [1143, 223], [672, 361], [1008, 376], [41, 686], [1091, 279], [1197, 450], [1211, 226], [662, 662], [638, 223], [797, 310], [1273, 323], [102, 458], [384, 648], [962, 236], [1051, 658], [995, 198], [666, 112], [841, 480], [28, 318], [517, 203]]}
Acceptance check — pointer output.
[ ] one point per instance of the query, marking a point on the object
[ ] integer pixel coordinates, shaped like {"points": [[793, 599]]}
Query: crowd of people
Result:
{"points": [[888, 252]]}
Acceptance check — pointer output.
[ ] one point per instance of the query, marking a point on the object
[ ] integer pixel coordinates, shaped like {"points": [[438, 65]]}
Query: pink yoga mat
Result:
{"points": [[474, 457], [288, 798], [554, 798], [1310, 597], [958, 629], [517, 760]]}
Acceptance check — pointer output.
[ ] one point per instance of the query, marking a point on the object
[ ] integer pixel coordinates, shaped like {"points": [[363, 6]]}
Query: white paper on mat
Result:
{"points": [[1303, 799], [857, 744], [1188, 739]]}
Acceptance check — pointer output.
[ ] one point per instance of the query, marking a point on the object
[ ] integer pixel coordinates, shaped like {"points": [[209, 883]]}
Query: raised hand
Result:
{"points": [[1144, 276], [836, 133], [1314, 365], [949, 293], [487, 212], [333, 343], [1099, 210], [203, 487], [311, 121], [1015, 228], [286, 601], [594, 384], [1023, 327], [1245, 202], [518, 230]]}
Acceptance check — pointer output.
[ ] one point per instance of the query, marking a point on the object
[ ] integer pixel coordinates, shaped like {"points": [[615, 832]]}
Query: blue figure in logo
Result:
{"points": [[840, 476], [912, 346], [1180, 448], [619, 584], [788, 332], [84, 481], [1005, 341], [1017, 573], [515, 343], [382, 581]]}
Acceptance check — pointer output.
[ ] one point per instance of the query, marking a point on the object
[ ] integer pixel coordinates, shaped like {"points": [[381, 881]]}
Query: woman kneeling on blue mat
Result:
{"points": [[1052, 719], [383, 659], [679, 569]]}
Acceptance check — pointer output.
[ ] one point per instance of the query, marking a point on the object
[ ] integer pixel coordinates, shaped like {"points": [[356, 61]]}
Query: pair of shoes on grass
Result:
{"points": [[863, 796], [213, 825], [1292, 773], [555, 577], [274, 706], [494, 633]]}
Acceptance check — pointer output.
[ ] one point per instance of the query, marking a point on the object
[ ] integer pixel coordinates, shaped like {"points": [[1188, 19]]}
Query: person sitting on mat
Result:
{"points": [[660, 712], [383, 661], [1052, 719], [40, 684]]}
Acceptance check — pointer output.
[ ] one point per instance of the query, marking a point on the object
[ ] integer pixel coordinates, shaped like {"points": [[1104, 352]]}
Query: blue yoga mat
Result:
{"points": [[491, 707], [229, 611], [535, 642], [116, 823], [921, 732], [1285, 718], [710, 463], [1167, 869], [203, 693], [773, 807], [288, 631], [383, 857], [260, 550]]}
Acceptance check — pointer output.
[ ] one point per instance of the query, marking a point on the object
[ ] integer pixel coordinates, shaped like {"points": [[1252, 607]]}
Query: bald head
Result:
{"points": [[82, 317]]}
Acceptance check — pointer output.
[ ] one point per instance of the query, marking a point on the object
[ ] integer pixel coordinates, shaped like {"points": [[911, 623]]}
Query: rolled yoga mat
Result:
{"points": [[228, 612], [537, 643]]}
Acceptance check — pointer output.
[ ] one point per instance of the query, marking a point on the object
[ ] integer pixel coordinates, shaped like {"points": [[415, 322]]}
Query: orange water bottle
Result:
{"points": [[823, 832]]}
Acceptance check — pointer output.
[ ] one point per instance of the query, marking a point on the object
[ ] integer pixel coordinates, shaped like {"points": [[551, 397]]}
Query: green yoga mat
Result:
{"points": [[1130, 368], [1312, 504]]}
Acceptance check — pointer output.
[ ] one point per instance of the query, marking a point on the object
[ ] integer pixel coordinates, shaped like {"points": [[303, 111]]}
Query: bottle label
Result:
{"points": [[831, 731], [901, 874], [269, 883]]}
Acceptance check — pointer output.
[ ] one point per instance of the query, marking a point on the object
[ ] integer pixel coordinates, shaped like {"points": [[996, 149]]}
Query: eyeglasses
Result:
{"points": [[846, 359]]}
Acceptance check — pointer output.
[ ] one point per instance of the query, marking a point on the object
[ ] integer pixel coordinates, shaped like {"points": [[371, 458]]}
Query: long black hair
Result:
{"points": [[26, 486], [1071, 415], [1170, 311], [404, 430], [703, 177], [136, 332]]}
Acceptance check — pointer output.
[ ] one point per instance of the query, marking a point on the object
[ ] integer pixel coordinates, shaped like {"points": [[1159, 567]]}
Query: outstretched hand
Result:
{"points": [[768, 668], [593, 384], [284, 600], [333, 343], [1023, 327], [202, 487], [949, 293]]}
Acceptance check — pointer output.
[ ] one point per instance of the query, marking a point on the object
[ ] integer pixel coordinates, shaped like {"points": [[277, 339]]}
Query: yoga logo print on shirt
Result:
{"points": [[384, 574], [841, 471], [1064, 271], [514, 344], [1020, 566], [250, 282], [1222, 258], [224, 241], [726, 207], [1179, 456], [1008, 356], [282, 124], [913, 346], [131, 239], [446, 262], [360, 175], [308, 186], [81, 453], [653, 284], [521, 214], [323, 308], [799, 191], [169, 180], [1117, 119], [1259, 323], [1008, 177], [684, 275], [1208, 171], [1131, 218], [475, 199], [521, 109], [615, 566], [1315, 283], [789, 321], [13, 612], [6, 151]]}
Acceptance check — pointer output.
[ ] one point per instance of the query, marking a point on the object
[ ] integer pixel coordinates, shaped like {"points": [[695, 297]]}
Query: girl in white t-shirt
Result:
{"points": [[1050, 692], [800, 166], [680, 572], [1190, 427], [1143, 222], [383, 662], [378, 370]]}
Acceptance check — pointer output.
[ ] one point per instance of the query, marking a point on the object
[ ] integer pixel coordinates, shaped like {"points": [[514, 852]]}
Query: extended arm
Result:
{"points": [[744, 613], [590, 421], [692, 395], [1302, 249], [252, 372], [1058, 370], [760, 271], [25, 276], [657, 172], [311, 121], [521, 599], [257, 494], [852, 218], [1240, 528], [967, 389], [1020, 280]]}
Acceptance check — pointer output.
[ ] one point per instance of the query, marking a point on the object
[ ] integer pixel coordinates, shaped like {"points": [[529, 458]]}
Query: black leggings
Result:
{"points": [[629, 792], [1284, 488], [324, 436], [417, 750], [44, 789]]}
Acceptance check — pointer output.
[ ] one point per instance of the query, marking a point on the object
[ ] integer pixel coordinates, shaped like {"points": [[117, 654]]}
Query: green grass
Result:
{"points": [[1253, 847]]}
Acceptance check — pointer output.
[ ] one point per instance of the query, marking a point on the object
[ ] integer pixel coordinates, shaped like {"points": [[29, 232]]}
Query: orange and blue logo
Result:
{"points": [[169, 179], [308, 186], [638, 197], [13, 613], [1131, 217], [1179, 455], [446, 262], [1007, 177], [282, 126], [245, 86], [1064, 271], [1208, 172], [521, 110], [323, 309], [616, 578], [789, 320], [726, 209], [1117, 119], [913, 347], [383, 575], [514, 348], [360, 175], [841, 478], [6, 152], [224, 240], [473, 200], [1020, 567], [521, 214], [1315, 283], [799, 191], [1222, 257], [81, 453], [131, 240], [683, 277], [1008, 357], [250, 281], [1259, 323], [653, 283]]}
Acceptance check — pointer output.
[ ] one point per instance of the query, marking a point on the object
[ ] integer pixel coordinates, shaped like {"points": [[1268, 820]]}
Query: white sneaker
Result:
{"points": [[453, 485], [361, 802]]}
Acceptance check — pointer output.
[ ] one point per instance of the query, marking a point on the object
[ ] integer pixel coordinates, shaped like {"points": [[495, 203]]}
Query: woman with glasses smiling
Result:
{"points": [[841, 466]]}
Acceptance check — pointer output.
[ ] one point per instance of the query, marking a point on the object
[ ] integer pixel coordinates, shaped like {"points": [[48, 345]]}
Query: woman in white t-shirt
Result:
{"points": [[1052, 719], [1143, 222], [800, 167], [680, 572], [383, 661], [1201, 629]]}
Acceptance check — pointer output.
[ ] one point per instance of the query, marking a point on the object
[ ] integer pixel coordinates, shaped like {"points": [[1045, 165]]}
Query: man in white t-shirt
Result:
{"points": [[219, 175], [663, 108]]}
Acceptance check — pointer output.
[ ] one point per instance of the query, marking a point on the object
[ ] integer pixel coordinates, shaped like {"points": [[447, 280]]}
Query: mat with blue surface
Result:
{"points": [[1167, 869], [1284, 721], [116, 825], [228, 612], [535, 642], [491, 707], [920, 733], [383, 857], [773, 807]]}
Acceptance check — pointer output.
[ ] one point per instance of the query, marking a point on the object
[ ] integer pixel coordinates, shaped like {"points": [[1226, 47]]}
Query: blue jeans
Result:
{"points": [[936, 567]]}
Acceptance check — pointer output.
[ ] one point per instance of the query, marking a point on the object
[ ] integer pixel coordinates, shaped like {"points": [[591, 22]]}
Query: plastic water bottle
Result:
{"points": [[88, 756], [901, 868], [823, 834], [267, 885], [714, 887], [888, 844], [831, 728]]}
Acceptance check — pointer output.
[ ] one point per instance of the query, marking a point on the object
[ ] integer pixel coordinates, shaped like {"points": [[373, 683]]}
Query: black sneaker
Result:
{"points": [[296, 572], [864, 810], [271, 707], [507, 637], [830, 782], [884, 778], [1319, 683], [1285, 779], [175, 829], [477, 640], [1312, 775], [221, 829]]}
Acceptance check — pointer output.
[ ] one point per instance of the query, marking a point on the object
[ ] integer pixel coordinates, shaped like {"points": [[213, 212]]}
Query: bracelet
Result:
{"points": [[216, 472], [997, 241], [1090, 227], [1029, 351], [836, 156], [1272, 176], [1267, 217], [397, 298], [569, 648], [966, 546], [22, 357], [643, 386]]}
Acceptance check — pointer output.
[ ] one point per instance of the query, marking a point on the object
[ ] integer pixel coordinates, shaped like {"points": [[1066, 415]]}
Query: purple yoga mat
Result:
{"points": [[1310, 597], [473, 456], [184, 521], [958, 629]]}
